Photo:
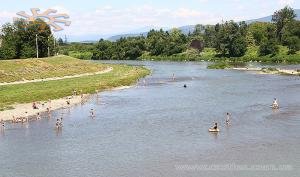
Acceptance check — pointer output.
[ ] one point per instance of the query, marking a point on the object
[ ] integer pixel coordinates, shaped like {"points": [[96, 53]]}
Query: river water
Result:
{"points": [[158, 128]]}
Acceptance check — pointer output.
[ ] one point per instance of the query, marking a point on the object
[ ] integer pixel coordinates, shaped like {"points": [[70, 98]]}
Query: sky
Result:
{"points": [[105, 18]]}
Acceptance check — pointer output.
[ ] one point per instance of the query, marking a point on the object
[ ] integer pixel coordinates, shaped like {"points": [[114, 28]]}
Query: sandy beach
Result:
{"points": [[266, 71], [26, 110]]}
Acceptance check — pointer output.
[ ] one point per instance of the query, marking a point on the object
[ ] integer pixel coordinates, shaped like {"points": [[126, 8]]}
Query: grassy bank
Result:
{"points": [[59, 66], [121, 75], [209, 54]]}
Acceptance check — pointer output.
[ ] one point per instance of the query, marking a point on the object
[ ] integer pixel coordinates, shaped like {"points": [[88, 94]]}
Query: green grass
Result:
{"points": [[219, 65], [29, 69], [121, 75]]}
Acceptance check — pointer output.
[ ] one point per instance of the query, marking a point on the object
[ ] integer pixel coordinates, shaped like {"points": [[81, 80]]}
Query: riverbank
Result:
{"points": [[12, 96], [18, 70], [271, 71], [24, 111]]}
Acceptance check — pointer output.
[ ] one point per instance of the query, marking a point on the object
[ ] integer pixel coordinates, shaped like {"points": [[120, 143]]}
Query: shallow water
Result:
{"points": [[156, 127]]}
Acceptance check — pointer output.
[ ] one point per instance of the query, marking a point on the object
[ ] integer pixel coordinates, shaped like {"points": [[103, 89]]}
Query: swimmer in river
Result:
{"points": [[184, 86], [216, 126]]}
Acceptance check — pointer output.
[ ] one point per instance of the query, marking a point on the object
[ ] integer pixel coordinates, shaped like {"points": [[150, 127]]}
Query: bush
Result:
{"points": [[220, 65], [268, 48], [81, 55]]}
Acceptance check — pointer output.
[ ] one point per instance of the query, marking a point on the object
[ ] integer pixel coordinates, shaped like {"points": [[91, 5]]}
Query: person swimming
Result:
{"points": [[216, 126], [185, 86]]}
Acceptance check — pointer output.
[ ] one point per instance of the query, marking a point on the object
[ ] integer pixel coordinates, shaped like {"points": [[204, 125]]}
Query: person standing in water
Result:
{"points": [[57, 124], [92, 113], [2, 125], [275, 104], [228, 115]]}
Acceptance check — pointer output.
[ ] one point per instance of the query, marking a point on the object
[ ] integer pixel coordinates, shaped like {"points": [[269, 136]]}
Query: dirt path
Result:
{"points": [[57, 78]]}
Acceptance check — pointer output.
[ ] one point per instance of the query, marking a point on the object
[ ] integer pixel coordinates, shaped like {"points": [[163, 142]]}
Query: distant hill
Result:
{"points": [[269, 18], [188, 28]]}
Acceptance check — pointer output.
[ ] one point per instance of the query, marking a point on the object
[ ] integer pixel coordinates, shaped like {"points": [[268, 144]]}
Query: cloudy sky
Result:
{"points": [[103, 17]]}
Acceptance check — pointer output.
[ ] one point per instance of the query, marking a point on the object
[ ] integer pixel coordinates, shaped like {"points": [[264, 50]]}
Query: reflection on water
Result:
{"points": [[149, 129]]}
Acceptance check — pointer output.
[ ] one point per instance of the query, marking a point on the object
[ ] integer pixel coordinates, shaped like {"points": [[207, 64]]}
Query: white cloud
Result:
{"points": [[111, 20], [6, 16], [108, 20], [286, 2]]}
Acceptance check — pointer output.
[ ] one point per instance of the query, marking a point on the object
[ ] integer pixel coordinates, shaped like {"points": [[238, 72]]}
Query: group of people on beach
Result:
{"points": [[40, 108], [274, 105]]}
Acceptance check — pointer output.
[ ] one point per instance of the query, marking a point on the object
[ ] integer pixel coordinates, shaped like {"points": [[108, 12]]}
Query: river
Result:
{"points": [[158, 128]]}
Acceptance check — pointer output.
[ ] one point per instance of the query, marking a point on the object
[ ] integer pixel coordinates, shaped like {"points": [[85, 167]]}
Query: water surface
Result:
{"points": [[157, 126]]}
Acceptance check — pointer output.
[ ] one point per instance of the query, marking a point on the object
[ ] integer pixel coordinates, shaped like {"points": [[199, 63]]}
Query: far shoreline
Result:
{"points": [[258, 70]]}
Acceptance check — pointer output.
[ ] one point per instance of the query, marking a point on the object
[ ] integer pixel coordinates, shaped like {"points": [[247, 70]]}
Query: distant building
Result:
{"points": [[197, 44]]}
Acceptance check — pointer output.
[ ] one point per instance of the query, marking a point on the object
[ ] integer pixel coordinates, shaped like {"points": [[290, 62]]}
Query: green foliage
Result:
{"points": [[259, 31], [19, 39], [269, 45], [81, 55], [231, 39], [291, 36], [281, 19], [220, 65]]}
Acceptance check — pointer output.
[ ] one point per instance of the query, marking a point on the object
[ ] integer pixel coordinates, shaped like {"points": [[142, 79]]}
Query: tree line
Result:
{"points": [[229, 39]]}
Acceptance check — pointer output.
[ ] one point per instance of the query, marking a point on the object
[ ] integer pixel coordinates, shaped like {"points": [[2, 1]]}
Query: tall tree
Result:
{"points": [[291, 36], [231, 39], [281, 18]]}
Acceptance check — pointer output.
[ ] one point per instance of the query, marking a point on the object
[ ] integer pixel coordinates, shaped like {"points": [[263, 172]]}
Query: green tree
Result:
{"points": [[259, 31], [281, 18], [210, 35], [19, 39], [291, 36], [231, 39], [269, 44]]}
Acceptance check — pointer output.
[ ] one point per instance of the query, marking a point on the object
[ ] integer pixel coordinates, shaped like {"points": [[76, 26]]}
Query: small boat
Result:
{"points": [[213, 130]]}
